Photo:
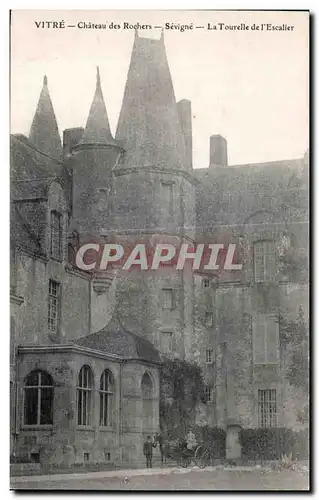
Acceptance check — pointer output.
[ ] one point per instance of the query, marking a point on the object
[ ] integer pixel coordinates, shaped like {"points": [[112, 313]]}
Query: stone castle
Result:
{"points": [[86, 347]]}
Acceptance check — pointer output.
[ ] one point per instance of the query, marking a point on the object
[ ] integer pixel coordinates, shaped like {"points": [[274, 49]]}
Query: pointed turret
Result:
{"points": [[149, 126], [97, 130], [44, 132]]}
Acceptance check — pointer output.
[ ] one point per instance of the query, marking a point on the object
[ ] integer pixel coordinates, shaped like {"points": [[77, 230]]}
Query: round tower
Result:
{"points": [[93, 159], [154, 198]]}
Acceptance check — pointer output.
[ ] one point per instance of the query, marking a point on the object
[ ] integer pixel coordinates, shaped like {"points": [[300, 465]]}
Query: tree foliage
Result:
{"points": [[294, 338], [182, 387]]}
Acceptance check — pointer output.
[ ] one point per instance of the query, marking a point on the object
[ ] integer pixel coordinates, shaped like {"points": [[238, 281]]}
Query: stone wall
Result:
{"points": [[65, 442]]}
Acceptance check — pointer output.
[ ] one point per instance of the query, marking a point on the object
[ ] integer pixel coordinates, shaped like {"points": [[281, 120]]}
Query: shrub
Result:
{"points": [[273, 443], [212, 437]]}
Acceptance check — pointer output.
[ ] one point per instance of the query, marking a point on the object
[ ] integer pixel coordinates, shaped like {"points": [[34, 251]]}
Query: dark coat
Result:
{"points": [[148, 448]]}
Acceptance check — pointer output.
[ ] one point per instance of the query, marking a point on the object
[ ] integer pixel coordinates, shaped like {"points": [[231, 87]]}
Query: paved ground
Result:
{"points": [[169, 479]]}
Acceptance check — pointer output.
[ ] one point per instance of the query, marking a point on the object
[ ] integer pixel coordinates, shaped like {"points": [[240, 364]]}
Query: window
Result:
{"points": [[147, 402], [38, 399], [54, 307], [265, 339], [264, 260], [147, 387], [167, 341], [106, 398], [206, 283], [267, 408], [84, 396], [208, 318], [56, 235], [209, 356], [209, 394], [168, 298], [35, 457], [167, 196]]}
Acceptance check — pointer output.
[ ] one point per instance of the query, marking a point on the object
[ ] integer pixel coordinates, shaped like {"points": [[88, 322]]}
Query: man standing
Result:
{"points": [[148, 451]]}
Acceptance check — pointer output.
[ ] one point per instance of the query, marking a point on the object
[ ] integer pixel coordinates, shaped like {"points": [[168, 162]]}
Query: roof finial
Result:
{"points": [[136, 33], [98, 78], [45, 80]]}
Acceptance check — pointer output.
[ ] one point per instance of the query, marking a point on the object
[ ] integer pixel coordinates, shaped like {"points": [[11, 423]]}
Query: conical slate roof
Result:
{"points": [[97, 130], [44, 132], [149, 126]]}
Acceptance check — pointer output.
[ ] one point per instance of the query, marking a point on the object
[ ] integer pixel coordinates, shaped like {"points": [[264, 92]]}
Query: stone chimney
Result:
{"points": [[71, 137], [218, 151]]}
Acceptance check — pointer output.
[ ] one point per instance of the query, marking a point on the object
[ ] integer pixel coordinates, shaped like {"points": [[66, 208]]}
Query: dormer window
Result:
{"points": [[56, 235]]}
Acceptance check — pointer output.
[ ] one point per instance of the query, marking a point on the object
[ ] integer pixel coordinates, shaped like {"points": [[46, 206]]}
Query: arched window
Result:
{"points": [[38, 399], [106, 398], [147, 386], [84, 396], [147, 402]]}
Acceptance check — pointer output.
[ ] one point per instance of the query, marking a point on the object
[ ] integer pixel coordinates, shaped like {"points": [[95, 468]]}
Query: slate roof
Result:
{"points": [[30, 189], [97, 130], [149, 126], [113, 339], [44, 132], [21, 233]]}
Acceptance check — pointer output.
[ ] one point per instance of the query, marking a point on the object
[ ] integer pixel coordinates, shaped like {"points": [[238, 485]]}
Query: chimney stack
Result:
{"points": [[218, 151], [71, 137]]}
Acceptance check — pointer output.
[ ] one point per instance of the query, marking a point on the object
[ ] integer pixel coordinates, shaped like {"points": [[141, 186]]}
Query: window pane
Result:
{"points": [[102, 408], [46, 416], [46, 379], [267, 408], [53, 306], [79, 407], [33, 378], [31, 406]]}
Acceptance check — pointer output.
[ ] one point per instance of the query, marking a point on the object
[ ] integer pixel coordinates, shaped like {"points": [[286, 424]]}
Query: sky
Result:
{"points": [[249, 86]]}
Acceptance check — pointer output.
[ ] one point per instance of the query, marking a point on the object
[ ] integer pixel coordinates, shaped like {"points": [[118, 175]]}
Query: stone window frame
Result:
{"points": [[172, 301], [106, 392], [261, 257], [54, 307], [39, 387], [265, 320], [84, 397], [267, 408]]}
